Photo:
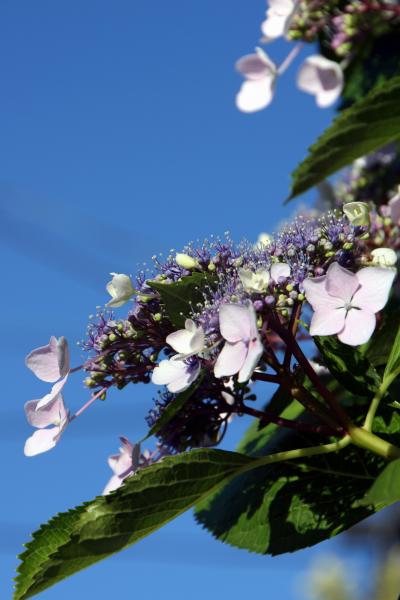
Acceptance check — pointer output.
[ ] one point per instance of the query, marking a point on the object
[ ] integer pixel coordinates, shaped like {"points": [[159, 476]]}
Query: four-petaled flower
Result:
{"points": [[243, 348], [321, 77], [123, 464], [120, 289], [55, 414], [182, 369], [258, 88], [50, 363], [279, 16], [345, 303]]}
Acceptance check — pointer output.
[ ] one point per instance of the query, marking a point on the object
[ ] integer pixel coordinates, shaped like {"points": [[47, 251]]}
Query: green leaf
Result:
{"points": [[348, 365], [380, 345], [284, 507], [173, 408], [367, 125], [386, 488], [181, 297], [154, 496], [393, 363]]}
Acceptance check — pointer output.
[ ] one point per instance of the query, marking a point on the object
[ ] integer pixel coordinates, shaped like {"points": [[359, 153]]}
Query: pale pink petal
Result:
{"points": [[322, 78], [113, 484], [376, 283], [180, 341], [254, 353], [256, 95], [167, 371], [235, 322], [41, 441], [63, 356], [230, 359], [327, 321], [359, 326], [51, 414], [274, 25], [280, 270], [394, 204], [55, 390], [254, 66], [317, 294], [44, 363], [341, 282]]}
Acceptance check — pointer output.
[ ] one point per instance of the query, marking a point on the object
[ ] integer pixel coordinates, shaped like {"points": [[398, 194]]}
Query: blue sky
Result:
{"points": [[120, 139]]}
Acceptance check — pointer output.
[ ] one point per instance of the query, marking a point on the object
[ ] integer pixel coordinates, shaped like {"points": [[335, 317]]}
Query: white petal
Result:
{"points": [[186, 379], [341, 282], [41, 441], [359, 326], [254, 353], [256, 95], [55, 390], [254, 282], [44, 361], [394, 204], [63, 356], [376, 283], [230, 359], [280, 270], [274, 25], [327, 321], [120, 289], [167, 371], [384, 257], [235, 322]]}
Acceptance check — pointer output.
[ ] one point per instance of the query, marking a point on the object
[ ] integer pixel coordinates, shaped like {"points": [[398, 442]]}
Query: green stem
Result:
{"points": [[383, 388], [369, 441], [298, 453]]}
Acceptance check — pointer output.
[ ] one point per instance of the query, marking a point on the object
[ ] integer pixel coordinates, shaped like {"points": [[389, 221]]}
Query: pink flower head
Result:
{"points": [[321, 77], [279, 16], [123, 464], [50, 363], [345, 303], [243, 348], [54, 414], [258, 88]]}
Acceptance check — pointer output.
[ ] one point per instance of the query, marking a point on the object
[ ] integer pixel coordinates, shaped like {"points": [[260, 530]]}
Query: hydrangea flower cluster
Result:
{"points": [[341, 30], [210, 321]]}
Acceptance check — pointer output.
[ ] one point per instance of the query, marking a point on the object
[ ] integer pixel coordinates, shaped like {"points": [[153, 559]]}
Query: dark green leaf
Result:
{"points": [[393, 362], [386, 488], [181, 297], [74, 540], [348, 365], [381, 343], [288, 506], [367, 125]]}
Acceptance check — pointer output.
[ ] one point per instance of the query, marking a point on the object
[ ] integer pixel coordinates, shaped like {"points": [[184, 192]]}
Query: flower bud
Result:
{"points": [[384, 257], [357, 213], [186, 262]]}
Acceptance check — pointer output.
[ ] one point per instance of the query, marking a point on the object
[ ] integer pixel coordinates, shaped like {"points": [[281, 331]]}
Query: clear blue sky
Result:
{"points": [[119, 138]]}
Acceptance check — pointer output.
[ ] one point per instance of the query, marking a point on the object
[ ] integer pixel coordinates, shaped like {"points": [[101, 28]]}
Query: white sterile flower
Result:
{"points": [[321, 77], [176, 374], [186, 262], [260, 74], [264, 239], [278, 270], [50, 363], [254, 282], [279, 16], [243, 348], [188, 341], [120, 289], [357, 213], [384, 257], [230, 400], [54, 414], [123, 464]]}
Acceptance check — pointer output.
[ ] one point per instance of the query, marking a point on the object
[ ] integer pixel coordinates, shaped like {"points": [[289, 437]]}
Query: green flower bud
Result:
{"points": [[357, 213], [186, 262]]}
